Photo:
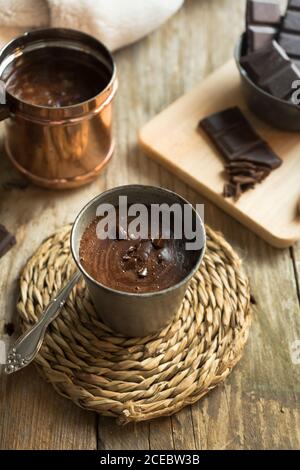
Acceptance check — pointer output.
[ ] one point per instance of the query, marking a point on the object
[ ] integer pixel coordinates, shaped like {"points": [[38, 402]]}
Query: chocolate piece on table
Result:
{"points": [[249, 158], [289, 34], [272, 70], [7, 240], [238, 140], [9, 328], [262, 23]]}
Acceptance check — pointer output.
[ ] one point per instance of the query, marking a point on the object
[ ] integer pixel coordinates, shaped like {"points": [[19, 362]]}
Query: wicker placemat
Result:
{"points": [[135, 379]]}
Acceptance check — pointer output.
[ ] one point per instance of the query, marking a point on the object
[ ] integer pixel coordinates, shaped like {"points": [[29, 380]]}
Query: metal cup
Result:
{"points": [[134, 314], [59, 147]]}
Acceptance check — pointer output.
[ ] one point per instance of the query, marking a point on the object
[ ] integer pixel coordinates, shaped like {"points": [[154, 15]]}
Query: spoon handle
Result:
{"points": [[24, 350]]}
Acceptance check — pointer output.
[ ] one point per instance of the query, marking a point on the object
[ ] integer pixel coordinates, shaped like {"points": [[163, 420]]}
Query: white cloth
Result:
{"points": [[114, 22]]}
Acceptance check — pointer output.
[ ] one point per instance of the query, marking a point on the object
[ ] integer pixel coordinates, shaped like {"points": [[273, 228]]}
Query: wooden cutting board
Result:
{"points": [[172, 139]]}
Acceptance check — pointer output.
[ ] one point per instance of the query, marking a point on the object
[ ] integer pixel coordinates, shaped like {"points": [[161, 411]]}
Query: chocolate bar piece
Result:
{"points": [[7, 240], [262, 23], [236, 139], [289, 35], [249, 158], [272, 70]]}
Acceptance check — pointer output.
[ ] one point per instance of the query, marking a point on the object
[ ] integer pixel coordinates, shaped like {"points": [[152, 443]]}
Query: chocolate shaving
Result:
{"points": [[229, 190]]}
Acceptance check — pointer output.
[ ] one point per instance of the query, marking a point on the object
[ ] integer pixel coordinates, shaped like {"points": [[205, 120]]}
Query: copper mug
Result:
{"points": [[59, 147]]}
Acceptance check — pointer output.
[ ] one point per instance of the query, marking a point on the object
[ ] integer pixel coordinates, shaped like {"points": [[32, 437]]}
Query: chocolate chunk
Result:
{"points": [[291, 21], [249, 158], [272, 70], [260, 36], [158, 243], [131, 249], [262, 23], [290, 42], [289, 34], [7, 240], [143, 272], [233, 144], [131, 264], [265, 62], [262, 12], [164, 256], [282, 85], [9, 328], [262, 154], [223, 120]]}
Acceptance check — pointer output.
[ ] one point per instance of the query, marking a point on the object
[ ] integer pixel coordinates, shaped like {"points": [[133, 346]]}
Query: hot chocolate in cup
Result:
{"points": [[136, 281]]}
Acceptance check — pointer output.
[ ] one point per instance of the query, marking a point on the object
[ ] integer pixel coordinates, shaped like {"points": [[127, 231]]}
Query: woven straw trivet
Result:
{"points": [[135, 379]]}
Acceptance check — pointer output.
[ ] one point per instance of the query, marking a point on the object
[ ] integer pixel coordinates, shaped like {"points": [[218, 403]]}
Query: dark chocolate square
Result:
{"points": [[263, 12], [265, 62], [262, 154], [220, 122], [235, 142], [260, 36], [290, 42], [291, 21], [281, 84]]}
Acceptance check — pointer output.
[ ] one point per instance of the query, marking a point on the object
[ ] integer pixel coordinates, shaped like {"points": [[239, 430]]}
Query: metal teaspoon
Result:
{"points": [[24, 350]]}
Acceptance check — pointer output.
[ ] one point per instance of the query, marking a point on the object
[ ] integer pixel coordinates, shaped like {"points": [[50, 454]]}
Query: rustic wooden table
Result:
{"points": [[259, 405]]}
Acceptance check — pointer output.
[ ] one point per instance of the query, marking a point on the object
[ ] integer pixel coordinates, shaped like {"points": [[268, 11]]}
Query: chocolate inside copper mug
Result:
{"points": [[60, 84]]}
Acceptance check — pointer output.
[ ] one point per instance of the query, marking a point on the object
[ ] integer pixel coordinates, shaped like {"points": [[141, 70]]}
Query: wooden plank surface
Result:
{"points": [[258, 406]]}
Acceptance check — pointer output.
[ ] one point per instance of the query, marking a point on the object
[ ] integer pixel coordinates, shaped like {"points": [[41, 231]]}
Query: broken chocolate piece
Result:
{"points": [[7, 240], [9, 328], [262, 23], [289, 35], [272, 70], [260, 36], [240, 141], [264, 62], [143, 272], [249, 158]]}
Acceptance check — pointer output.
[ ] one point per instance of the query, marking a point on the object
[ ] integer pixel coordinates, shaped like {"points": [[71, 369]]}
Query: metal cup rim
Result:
{"points": [[71, 31], [187, 278]]}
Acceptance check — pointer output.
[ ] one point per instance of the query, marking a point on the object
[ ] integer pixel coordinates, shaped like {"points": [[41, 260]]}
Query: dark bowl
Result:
{"points": [[279, 113]]}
